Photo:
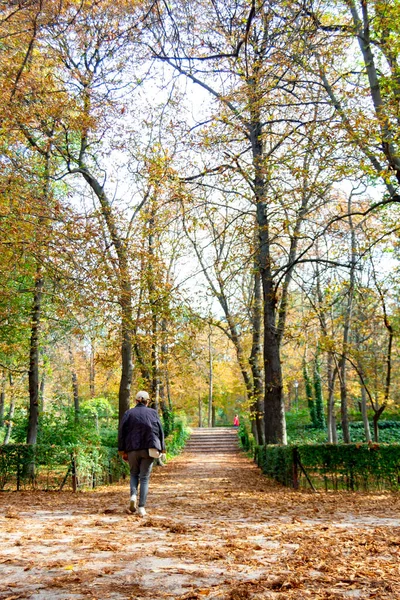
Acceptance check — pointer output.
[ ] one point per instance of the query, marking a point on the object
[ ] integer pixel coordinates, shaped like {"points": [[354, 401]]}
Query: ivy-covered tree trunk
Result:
{"points": [[11, 411], [42, 388], [2, 396], [309, 395], [92, 371], [74, 381], [33, 373], [331, 376], [319, 401], [364, 413]]}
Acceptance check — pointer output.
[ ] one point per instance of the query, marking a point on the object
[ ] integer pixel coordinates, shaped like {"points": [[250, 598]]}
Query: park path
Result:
{"points": [[216, 528]]}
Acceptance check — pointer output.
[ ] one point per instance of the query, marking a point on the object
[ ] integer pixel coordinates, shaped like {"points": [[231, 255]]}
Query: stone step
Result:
{"points": [[208, 440], [212, 446], [215, 432], [213, 442], [215, 451]]}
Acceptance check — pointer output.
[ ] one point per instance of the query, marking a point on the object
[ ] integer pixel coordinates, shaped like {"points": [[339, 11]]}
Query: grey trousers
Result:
{"points": [[140, 464]]}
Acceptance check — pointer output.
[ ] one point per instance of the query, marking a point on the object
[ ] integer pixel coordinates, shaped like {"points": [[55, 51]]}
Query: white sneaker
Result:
{"points": [[133, 503], [141, 511]]}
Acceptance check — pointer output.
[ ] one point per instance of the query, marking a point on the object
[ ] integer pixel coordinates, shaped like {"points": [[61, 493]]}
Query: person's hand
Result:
{"points": [[123, 455]]}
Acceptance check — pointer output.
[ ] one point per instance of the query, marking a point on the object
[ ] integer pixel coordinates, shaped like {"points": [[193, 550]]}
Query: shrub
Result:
{"points": [[48, 467], [343, 466], [177, 439], [246, 438]]}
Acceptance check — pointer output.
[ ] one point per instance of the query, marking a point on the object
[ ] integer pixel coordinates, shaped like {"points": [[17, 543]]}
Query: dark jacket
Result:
{"points": [[140, 429]]}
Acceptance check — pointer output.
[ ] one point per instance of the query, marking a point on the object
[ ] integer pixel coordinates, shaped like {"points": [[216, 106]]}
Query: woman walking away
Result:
{"points": [[140, 440]]}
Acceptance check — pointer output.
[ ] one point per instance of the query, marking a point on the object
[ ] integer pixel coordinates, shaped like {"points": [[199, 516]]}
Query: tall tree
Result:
{"points": [[242, 64]]}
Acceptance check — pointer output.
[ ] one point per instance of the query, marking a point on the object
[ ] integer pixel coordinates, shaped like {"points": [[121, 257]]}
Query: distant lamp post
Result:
{"points": [[296, 394]]}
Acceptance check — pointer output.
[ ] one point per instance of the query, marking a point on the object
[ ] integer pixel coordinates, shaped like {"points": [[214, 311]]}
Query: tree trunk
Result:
{"points": [[376, 418], [255, 361], [309, 392], [200, 403], [234, 335], [74, 381], [274, 410], [343, 402], [155, 379], [346, 333], [331, 376], [2, 396], [155, 374], [319, 401], [364, 413], [33, 374], [331, 371], [164, 360], [125, 288], [126, 357], [41, 391], [162, 386], [210, 383], [11, 411], [92, 372]]}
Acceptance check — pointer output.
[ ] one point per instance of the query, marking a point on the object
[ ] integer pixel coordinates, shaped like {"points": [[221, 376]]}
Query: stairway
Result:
{"points": [[213, 439]]}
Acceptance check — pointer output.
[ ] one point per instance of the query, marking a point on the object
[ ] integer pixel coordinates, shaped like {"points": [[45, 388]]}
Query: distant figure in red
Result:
{"points": [[236, 421]]}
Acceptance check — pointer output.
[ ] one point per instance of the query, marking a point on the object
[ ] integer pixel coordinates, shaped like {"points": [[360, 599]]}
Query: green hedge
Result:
{"points": [[177, 439], [337, 467], [70, 466], [246, 439], [49, 467], [276, 462]]}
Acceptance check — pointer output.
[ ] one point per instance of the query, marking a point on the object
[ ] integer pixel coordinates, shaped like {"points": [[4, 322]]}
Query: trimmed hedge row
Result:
{"points": [[56, 467], [52, 467], [276, 462], [328, 466]]}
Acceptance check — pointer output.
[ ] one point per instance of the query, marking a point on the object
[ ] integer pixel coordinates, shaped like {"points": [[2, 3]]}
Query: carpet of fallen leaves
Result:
{"points": [[216, 528]]}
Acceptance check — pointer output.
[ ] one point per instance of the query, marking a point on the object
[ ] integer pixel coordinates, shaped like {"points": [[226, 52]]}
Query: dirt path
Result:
{"points": [[216, 528]]}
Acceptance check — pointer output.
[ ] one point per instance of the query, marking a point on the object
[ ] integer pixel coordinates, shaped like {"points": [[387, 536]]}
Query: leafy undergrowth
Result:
{"points": [[216, 528]]}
